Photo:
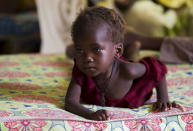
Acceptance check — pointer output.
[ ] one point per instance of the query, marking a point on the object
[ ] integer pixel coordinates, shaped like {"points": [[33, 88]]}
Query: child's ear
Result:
{"points": [[119, 50]]}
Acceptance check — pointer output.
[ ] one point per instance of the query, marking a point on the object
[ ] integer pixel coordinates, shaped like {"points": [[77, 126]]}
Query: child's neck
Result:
{"points": [[106, 76]]}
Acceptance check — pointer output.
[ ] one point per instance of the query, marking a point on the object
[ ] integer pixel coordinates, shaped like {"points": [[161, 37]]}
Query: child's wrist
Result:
{"points": [[163, 99]]}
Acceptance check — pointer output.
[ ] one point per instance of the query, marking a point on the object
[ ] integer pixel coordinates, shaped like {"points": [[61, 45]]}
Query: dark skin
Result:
{"points": [[133, 43], [95, 55]]}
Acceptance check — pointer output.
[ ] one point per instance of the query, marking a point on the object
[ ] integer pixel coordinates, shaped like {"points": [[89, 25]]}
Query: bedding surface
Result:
{"points": [[33, 87]]}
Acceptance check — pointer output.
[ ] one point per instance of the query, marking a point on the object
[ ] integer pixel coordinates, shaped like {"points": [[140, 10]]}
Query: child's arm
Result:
{"points": [[72, 104], [163, 102]]}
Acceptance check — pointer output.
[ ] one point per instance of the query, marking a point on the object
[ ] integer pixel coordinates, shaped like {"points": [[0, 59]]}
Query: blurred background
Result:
{"points": [[19, 27], [20, 24]]}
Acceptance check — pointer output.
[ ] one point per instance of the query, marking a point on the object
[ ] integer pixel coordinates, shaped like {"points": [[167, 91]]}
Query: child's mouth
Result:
{"points": [[90, 70]]}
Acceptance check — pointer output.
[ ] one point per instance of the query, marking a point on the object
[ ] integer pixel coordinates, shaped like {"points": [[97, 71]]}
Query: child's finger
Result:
{"points": [[102, 115], [164, 107], [180, 107], [161, 107], [99, 117], [169, 105], [177, 106], [105, 114]]}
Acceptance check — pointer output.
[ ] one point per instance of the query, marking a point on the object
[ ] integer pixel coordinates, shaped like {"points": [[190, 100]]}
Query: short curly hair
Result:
{"points": [[95, 16]]}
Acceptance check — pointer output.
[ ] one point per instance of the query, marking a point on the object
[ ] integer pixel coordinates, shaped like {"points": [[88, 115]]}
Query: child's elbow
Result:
{"points": [[67, 104], [66, 108]]}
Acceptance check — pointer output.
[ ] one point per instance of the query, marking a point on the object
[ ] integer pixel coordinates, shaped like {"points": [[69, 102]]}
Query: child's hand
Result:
{"points": [[165, 106], [100, 115]]}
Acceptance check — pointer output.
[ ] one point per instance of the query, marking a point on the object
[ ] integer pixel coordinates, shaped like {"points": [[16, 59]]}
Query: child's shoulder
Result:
{"points": [[132, 70], [147, 65]]}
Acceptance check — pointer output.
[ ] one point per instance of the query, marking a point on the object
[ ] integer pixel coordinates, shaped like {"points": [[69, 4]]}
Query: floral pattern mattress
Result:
{"points": [[33, 87]]}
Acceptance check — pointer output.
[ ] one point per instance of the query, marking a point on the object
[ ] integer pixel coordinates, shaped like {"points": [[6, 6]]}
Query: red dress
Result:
{"points": [[139, 93]]}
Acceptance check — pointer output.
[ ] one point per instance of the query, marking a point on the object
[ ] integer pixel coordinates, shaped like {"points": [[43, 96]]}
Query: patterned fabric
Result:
{"points": [[33, 87]]}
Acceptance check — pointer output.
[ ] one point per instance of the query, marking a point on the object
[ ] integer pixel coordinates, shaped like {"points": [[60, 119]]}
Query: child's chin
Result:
{"points": [[91, 74]]}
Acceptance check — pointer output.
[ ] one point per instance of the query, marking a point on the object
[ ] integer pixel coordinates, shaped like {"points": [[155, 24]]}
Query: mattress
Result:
{"points": [[33, 88]]}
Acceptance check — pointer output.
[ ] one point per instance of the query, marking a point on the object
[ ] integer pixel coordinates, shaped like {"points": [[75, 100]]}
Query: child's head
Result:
{"points": [[99, 16], [98, 34]]}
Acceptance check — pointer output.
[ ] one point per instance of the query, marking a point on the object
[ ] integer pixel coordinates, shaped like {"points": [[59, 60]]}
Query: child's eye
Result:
{"points": [[96, 49]]}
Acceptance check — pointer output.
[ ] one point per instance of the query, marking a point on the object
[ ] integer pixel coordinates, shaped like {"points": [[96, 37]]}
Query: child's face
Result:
{"points": [[94, 51]]}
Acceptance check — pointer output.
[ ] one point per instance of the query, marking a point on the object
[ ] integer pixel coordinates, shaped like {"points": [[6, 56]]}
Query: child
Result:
{"points": [[101, 76]]}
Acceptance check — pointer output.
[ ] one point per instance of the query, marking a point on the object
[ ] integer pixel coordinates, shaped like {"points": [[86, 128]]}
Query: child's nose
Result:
{"points": [[89, 57]]}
